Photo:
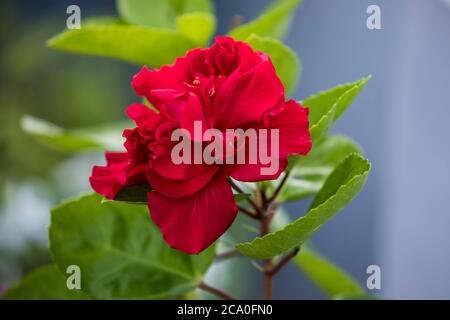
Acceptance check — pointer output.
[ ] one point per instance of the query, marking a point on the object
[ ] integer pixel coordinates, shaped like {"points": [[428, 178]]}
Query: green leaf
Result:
{"points": [[111, 38], [239, 197], [355, 296], [331, 279], [308, 174], [194, 5], [132, 195], [327, 106], [152, 13], [197, 27], [120, 251], [339, 189], [45, 283], [286, 61], [102, 137], [193, 18], [274, 22], [159, 13]]}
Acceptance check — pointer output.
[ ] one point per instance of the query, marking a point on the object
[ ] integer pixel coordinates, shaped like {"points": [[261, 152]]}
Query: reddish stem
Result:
{"points": [[268, 285], [217, 292], [280, 186], [248, 212], [282, 262], [227, 254], [252, 203]]}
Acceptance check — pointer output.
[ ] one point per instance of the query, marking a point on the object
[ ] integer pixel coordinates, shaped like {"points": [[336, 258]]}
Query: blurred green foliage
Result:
{"points": [[71, 91]]}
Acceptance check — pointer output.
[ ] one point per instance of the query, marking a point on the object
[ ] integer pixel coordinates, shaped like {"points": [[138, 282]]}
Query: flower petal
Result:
{"points": [[254, 173], [115, 157], [294, 138], [178, 188], [155, 85], [109, 180], [191, 114], [193, 223], [140, 113], [225, 89], [293, 124], [256, 92], [164, 165]]}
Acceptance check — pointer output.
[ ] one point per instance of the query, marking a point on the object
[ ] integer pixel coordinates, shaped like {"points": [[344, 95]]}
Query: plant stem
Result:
{"points": [[252, 203], [271, 211], [235, 186], [282, 262], [265, 210], [268, 285], [264, 200], [248, 212], [280, 186], [227, 254], [216, 291]]}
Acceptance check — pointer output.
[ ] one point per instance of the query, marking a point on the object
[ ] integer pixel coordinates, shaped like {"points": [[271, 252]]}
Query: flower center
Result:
{"points": [[196, 81]]}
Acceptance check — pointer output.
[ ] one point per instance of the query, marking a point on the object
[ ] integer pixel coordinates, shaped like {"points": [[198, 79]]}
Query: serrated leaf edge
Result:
{"points": [[241, 246], [353, 86]]}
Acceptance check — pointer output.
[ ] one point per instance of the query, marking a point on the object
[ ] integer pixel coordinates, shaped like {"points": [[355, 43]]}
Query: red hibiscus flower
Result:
{"points": [[226, 86]]}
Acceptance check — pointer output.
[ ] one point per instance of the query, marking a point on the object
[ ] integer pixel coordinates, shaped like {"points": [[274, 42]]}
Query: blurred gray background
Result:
{"points": [[400, 221]]}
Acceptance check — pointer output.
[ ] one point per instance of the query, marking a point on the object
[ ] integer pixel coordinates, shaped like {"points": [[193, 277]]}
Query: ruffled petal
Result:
{"points": [[115, 157], [140, 113], [164, 165], [118, 173], [255, 172], [110, 179], [157, 85], [293, 139], [293, 124], [256, 92], [177, 188], [193, 113], [225, 90], [193, 223]]}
